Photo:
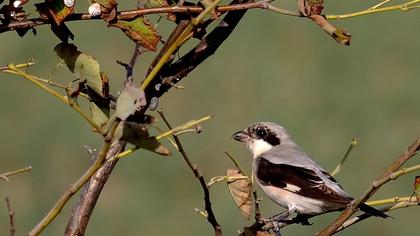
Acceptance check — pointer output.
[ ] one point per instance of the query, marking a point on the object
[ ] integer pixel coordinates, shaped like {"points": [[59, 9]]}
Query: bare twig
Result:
{"points": [[163, 135], [76, 186], [377, 9], [5, 176], [23, 65], [379, 182], [11, 217], [211, 218], [337, 169], [402, 204], [256, 205], [14, 70]]}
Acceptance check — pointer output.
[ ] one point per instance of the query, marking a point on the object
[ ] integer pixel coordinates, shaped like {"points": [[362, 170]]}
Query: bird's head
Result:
{"points": [[260, 137]]}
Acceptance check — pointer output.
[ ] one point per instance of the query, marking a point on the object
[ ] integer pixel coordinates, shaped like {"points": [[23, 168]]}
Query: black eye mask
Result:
{"points": [[267, 136]]}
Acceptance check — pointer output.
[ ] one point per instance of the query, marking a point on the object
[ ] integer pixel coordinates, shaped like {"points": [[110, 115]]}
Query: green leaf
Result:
{"points": [[241, 191], [82, 65], [137, 135], [99, 115], [140, 31], [130, 100]]}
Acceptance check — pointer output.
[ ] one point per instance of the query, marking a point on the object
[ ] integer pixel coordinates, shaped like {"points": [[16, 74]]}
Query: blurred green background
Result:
{"points": [[276, 68]]}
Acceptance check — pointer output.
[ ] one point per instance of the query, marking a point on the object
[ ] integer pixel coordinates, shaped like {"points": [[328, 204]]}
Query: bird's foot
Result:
{"points": [[301, 219]]}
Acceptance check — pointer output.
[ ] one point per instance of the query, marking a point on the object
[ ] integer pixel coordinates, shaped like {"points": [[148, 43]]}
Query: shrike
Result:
{"points": [[290, 177]]}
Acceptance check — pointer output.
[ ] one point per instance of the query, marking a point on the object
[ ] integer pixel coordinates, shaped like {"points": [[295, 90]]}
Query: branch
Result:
{"points": [[376, 9], [5, 176], [403, 204], [131, 14], [207, 47], [211, 218], [390, 173], [177, 43], [82, 211], [11, 217], [76, 186], [163, 135], [15, 70]]}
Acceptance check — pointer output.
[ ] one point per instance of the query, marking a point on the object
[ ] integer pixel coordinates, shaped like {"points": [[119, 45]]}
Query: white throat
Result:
{"points": [[258, 147]]}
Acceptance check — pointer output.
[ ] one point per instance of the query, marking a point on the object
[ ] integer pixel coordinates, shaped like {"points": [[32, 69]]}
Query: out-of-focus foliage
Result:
{"points": [[274, 67]]}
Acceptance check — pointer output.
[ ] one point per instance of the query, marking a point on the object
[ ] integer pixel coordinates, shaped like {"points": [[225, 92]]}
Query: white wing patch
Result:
{"points": [[292, 188], [258, 147]]}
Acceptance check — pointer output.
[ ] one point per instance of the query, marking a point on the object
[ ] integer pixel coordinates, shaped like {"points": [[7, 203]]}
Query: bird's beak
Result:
{"points": [[241, 136]]}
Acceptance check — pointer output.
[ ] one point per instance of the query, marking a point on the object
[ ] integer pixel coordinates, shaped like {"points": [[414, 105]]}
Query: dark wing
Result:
{"points": [[308, 182]]}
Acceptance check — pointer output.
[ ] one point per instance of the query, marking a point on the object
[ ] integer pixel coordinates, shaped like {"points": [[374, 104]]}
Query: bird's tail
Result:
{"points": [[372, 211]]}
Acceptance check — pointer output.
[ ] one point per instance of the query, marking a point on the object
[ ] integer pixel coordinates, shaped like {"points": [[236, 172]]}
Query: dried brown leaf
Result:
{"points": [[241, 191]]}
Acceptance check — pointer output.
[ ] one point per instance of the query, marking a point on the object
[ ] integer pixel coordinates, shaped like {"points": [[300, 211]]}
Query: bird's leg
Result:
{"points": [[280, 217]]}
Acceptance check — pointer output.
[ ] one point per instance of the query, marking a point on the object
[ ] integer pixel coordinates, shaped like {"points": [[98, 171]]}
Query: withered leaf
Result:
{"points": [[340, 35], [241, 191], [58, 11], [131, 99], [82, 65], [138, 135], [140, 31]]}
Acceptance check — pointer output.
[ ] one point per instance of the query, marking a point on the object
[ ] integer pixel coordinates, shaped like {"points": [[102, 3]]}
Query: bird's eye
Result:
{"points": [[261, 132]]}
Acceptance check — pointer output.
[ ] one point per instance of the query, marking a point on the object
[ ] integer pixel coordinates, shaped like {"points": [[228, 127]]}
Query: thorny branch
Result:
{"points": [[211, 218], [379, 182], [11, 217]]}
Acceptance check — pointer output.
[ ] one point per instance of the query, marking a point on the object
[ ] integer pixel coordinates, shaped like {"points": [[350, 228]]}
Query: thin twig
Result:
{"points": [[11, 217], [337, 169], [76, 186], [163, 135], [376, 9], [257, 205], [22, 65], [5, 176], [55, 94], [211, 218], [379, 182], [235, 162], [364, 216]]}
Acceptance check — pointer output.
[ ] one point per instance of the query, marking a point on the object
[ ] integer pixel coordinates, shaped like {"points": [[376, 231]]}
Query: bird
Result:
{"points": [[290, 177]]}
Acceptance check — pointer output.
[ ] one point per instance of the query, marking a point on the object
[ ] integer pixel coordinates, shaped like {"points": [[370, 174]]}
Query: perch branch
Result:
{"points": [[5, 176], [211, 218], [390, 173], [402, 204]]}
